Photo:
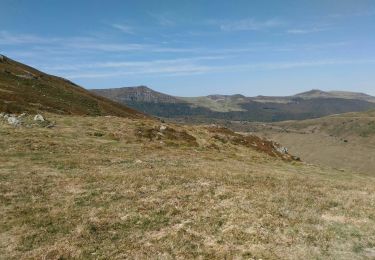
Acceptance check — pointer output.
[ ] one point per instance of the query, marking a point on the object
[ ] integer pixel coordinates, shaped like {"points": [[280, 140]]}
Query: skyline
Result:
{"points": [[195, 48]]}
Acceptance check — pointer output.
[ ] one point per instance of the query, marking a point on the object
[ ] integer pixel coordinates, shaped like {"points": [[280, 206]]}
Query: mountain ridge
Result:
{"points": [[311, 104], [313, 93], [336, 94]]}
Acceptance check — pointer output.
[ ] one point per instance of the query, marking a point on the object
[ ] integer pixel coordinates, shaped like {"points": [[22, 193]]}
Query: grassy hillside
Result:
{"points": [[149, 190], [252, 111], [23, 88]]}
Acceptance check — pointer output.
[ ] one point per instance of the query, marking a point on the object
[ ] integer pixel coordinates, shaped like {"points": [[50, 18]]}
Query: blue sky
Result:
{"points": [[192, 48]]}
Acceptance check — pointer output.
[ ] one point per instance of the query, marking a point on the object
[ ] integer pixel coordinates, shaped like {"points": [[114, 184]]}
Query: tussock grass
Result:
{"points": [[67, 192]]}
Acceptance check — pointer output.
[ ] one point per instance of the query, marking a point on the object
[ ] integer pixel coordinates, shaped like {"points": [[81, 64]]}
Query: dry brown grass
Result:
{"points": [[92, 188]]}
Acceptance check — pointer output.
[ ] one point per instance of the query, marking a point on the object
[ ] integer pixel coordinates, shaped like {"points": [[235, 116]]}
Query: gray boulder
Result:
{"points": [[14, 121]]}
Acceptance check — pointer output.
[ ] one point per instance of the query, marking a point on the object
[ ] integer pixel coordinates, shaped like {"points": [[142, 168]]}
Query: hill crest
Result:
{"points": [[136, 94], [24, 88]]}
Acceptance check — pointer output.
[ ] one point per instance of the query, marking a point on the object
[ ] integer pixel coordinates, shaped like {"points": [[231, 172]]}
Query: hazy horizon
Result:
{"points": [[213, 94], [197, 48]]}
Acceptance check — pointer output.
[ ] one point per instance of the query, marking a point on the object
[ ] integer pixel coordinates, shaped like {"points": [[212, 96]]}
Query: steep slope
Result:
{"points": [[23, 88], [312, 104]]}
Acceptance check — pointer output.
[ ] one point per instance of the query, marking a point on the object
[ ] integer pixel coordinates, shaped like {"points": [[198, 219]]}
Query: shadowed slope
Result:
{"points": [[23, 88]]}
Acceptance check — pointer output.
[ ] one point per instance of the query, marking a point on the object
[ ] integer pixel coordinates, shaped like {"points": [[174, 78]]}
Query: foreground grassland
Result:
{"points": [[97, 187]]}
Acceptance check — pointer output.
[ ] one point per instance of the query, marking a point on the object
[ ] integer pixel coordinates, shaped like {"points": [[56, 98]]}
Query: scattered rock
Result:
{"points": [[26, 76], [281, 149], [39, 118], [14, 121], [53, 124]]}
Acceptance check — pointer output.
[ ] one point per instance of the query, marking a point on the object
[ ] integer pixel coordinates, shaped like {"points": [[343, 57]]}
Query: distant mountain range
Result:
{"points": [[25, 89], [311, 104]]}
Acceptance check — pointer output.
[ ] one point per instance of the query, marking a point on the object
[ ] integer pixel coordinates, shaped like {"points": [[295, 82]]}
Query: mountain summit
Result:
{"points": [[136, 94]]}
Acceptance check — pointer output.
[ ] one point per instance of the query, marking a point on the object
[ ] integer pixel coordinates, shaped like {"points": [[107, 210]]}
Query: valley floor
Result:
{"points": [[354, 154], [344, 142], [90, 187]]}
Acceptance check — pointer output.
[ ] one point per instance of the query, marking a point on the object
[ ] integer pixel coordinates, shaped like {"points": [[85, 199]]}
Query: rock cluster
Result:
{"points": [[14, 121], [281, 149], [22, 119]]}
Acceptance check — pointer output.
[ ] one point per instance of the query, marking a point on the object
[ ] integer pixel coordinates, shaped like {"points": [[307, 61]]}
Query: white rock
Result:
{"points": [[163, 127], [22, 115], [39, 118], [13, 121], [138, 161], [282, 149]]}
